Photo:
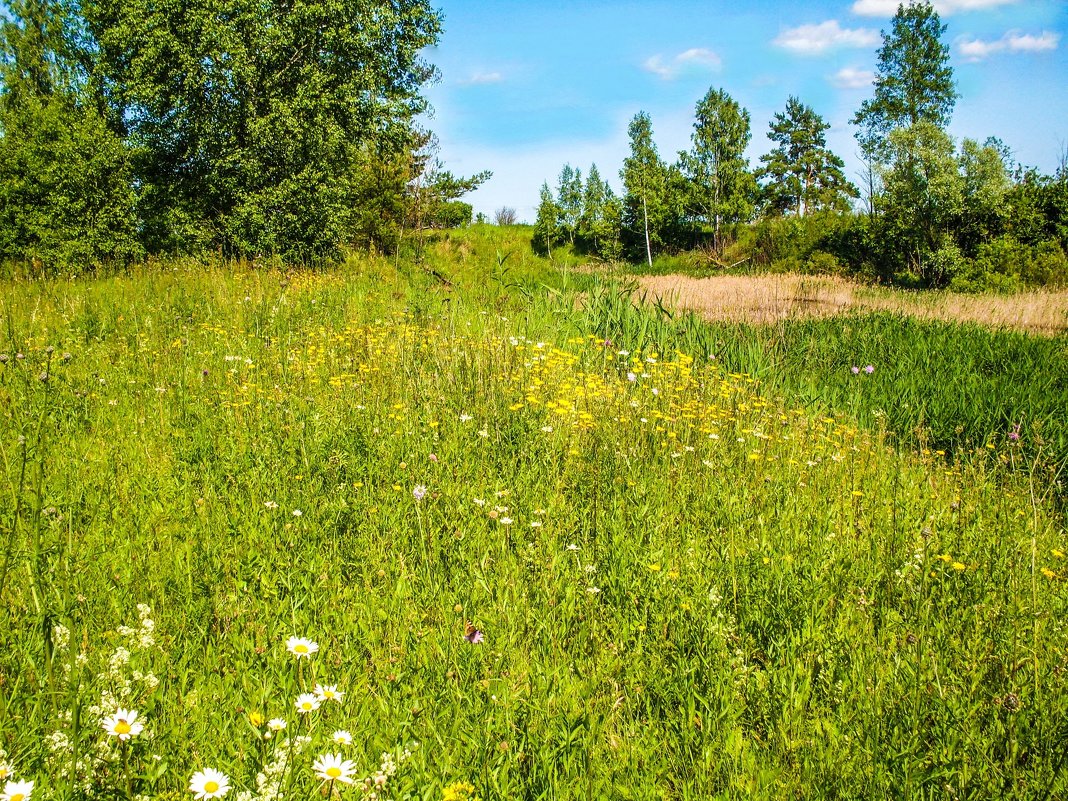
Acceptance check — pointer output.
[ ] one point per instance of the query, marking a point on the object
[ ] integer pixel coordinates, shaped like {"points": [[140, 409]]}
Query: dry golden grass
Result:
{"points": [[769, 298]]}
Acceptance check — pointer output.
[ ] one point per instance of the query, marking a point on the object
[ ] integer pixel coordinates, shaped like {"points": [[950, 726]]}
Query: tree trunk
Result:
{"points": [[648, 249]]}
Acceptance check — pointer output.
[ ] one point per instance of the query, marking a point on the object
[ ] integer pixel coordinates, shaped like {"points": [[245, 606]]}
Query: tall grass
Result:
{"points": [[691, 582], [948, 387]]}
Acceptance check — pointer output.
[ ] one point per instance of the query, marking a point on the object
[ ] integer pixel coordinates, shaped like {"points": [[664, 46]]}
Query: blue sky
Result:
{"points": [[527, 85]]}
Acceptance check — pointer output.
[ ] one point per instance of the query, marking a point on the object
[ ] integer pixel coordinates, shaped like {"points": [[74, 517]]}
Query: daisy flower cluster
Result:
{"points": [[332, 767]]}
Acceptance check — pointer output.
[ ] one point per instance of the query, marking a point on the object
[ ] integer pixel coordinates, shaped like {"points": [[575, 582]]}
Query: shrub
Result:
{"points": [[505, 215], [821, 262]]}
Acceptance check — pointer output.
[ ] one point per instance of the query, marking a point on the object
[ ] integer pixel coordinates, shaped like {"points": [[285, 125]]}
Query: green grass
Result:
{"points": [[767, 597]]}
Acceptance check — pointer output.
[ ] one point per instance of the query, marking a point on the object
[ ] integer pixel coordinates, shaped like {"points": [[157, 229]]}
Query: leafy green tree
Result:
{"points": [[914, 80], [986, 184], [1037, 208], [547, 229], [253, 121], [802, 174], [66, 191], [924, 196], [569, 199], [598, 225], [647, 215], [721, 186]]}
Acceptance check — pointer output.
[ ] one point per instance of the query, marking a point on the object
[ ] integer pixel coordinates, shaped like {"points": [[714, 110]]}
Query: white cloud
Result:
{"points": [[655, 65], [696, 59], [853, 78], [887, 8], [480, 78], [1011, 42], [811, 40]]}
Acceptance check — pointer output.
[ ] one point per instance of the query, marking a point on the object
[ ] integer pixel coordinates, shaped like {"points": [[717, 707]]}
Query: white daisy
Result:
{"points": [[329, 692], [123, 724], [17, 791], [209, 783], [307, 702], [276, 724], [301, 647], [341, 737], [332, 768]]}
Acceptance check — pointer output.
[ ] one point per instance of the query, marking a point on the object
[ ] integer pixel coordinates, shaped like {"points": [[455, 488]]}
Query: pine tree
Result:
{"points": [[803, 176], [598, 230], [569, 199]]}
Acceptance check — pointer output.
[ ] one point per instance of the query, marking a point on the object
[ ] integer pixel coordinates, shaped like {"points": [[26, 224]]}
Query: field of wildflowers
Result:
{"points": [[370, 533]]}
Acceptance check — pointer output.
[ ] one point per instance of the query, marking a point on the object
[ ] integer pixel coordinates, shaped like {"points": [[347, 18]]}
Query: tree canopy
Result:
{"points": [[914, 79], [248, 127], [721, 186], [802, 175]]}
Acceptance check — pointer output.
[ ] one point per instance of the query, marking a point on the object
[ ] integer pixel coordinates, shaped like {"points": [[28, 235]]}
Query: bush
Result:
{"points": [[454, 214], [823, 263], [66, 193], [505, 215], [1048, 265], [945, 264], [1006, 263]]}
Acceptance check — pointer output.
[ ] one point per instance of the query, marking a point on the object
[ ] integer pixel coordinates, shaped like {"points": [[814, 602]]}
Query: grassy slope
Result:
{"points": [[784, 604]]}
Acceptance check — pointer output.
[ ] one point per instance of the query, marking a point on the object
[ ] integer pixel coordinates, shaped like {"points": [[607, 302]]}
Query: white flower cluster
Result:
{"points": [[112, 716], [94, 759], [374, 786], [912, 569], [60, 637], [269, 782]]}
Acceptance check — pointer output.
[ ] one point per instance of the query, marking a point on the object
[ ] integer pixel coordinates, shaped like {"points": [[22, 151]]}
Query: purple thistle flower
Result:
{"points": [[869, 369], [854, 370], [419, 492], [473, 635]]}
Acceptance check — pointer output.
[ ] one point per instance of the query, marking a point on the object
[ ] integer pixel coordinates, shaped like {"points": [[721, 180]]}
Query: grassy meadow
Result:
{"points": [[549, 545]]}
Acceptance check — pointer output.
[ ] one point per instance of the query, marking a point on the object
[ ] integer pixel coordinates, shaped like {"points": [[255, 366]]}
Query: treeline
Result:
{"points": [[928, 213], [246, 128]]}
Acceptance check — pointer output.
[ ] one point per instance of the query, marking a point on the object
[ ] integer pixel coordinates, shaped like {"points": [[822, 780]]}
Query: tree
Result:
{"points": [[252, 119], [914, 80], [721, 186], [66, 191], [924, 196], [547, 230], [436, 192], [569, 199], [505, 215], [646, 213], [598, 225], [802, 174], [986, 184]]}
